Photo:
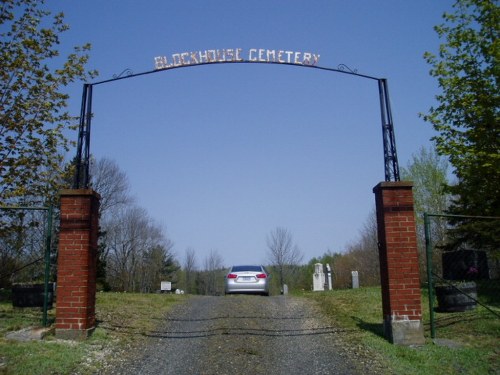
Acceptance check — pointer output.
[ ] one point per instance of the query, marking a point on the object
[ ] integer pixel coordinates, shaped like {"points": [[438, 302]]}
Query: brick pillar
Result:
{"points": [[76, 264], [399, 270]]}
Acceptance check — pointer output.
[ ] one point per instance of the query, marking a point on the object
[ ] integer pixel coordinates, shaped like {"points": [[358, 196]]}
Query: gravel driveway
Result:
{"points": [[243, 334]]}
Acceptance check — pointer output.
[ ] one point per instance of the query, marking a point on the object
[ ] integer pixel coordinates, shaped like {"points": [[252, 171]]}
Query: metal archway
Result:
{"points": [[82, 160]]}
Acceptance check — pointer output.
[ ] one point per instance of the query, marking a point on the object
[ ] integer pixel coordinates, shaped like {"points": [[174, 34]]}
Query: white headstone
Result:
{"points": [[318, 278], [355, 279], [166, 286]]}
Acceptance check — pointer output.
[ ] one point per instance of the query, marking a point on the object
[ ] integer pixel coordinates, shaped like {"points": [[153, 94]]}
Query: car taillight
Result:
{"points": [[232, 276], [261, 276]]}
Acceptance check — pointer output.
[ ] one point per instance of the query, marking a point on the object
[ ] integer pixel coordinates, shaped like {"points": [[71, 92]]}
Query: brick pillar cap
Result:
{"points": [[79, 192], [393, 185]]}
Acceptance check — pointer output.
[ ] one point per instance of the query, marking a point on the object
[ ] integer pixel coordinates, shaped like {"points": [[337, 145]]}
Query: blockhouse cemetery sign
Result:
{"points": [[236, 55]]}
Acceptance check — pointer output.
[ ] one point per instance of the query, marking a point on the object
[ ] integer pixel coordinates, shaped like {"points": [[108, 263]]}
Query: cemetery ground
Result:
{"points": [[131, 326]]}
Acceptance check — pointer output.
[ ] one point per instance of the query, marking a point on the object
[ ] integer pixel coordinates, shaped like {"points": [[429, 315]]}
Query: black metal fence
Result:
{"points": [[25, 243], [463, 281]]}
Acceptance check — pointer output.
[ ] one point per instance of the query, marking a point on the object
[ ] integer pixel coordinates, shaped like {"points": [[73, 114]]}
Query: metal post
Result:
{"points": [[88, 122], [389, 140], [48, 242], [81, 178], [430, 284]]}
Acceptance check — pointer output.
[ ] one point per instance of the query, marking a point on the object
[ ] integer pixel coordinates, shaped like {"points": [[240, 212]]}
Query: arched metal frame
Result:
{"points": [[82, 160]]}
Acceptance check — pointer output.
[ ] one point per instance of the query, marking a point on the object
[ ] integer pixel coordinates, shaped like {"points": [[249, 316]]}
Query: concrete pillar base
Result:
{"points": [[74, 334], [404, 332]]}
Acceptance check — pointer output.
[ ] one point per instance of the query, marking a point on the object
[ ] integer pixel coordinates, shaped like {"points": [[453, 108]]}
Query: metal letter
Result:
{"points": [[271, 53], [203, 56], [160, 62], [307, 58], [212, 58], [194, 58], [183, 60], [296, 60], [261, 55], [280, 55], [289, 54], [250, 54], [221, 55], [238, 55], [176, 58]]}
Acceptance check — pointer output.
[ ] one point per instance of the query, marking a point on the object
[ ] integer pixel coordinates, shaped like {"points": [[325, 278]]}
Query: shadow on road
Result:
{"points": [[223, 331], [244, 332]]}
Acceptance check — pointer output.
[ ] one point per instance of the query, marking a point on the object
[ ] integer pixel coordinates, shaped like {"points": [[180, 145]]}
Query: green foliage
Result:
{"points": [[467, 117], [428, 172], [32, 116]]}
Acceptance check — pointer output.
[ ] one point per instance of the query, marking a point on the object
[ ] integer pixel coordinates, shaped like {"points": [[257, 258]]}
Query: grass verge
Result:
{"points": [[476, 335], [123, 320]]}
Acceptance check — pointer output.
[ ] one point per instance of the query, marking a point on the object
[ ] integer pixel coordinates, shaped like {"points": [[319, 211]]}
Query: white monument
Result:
{"points": [[355, 279], [318, 278]]}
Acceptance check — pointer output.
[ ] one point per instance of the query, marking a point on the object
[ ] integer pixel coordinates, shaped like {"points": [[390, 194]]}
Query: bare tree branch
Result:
{"points": [[283, 255]]}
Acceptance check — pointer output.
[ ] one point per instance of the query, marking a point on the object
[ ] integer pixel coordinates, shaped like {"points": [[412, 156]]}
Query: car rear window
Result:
{"points": [[246, 268]]}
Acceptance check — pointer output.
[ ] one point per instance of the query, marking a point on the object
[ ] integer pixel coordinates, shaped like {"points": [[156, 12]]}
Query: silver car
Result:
{"points": [[247, 279]]}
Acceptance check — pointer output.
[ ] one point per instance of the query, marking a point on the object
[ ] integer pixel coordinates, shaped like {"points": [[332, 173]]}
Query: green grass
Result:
{"points": [[47, 357], [477, 334], [123, 320]]}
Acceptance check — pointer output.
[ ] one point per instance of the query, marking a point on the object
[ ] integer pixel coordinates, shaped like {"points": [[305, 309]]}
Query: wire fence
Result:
{"points": [[464, 281], [25, 243]]}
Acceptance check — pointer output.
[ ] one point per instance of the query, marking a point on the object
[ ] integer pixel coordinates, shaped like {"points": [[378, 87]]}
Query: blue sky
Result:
{"points": [[220, 155]]}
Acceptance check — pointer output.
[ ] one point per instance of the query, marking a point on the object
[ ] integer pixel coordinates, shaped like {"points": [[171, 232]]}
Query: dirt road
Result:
{"points": [[243, 335]]}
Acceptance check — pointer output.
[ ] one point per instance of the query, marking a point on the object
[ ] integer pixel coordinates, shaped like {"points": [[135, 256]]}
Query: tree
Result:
{"points": [[139, 252], [157, 264], [467, 119], [189, 269], [362, 256], [428, 171], [22, 245], [283, 255], [212, 278], [111, 183], [33, 119]]}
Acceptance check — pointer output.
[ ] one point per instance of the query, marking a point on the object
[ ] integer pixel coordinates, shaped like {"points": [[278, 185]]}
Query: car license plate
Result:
{"points": [[247, 278]]}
